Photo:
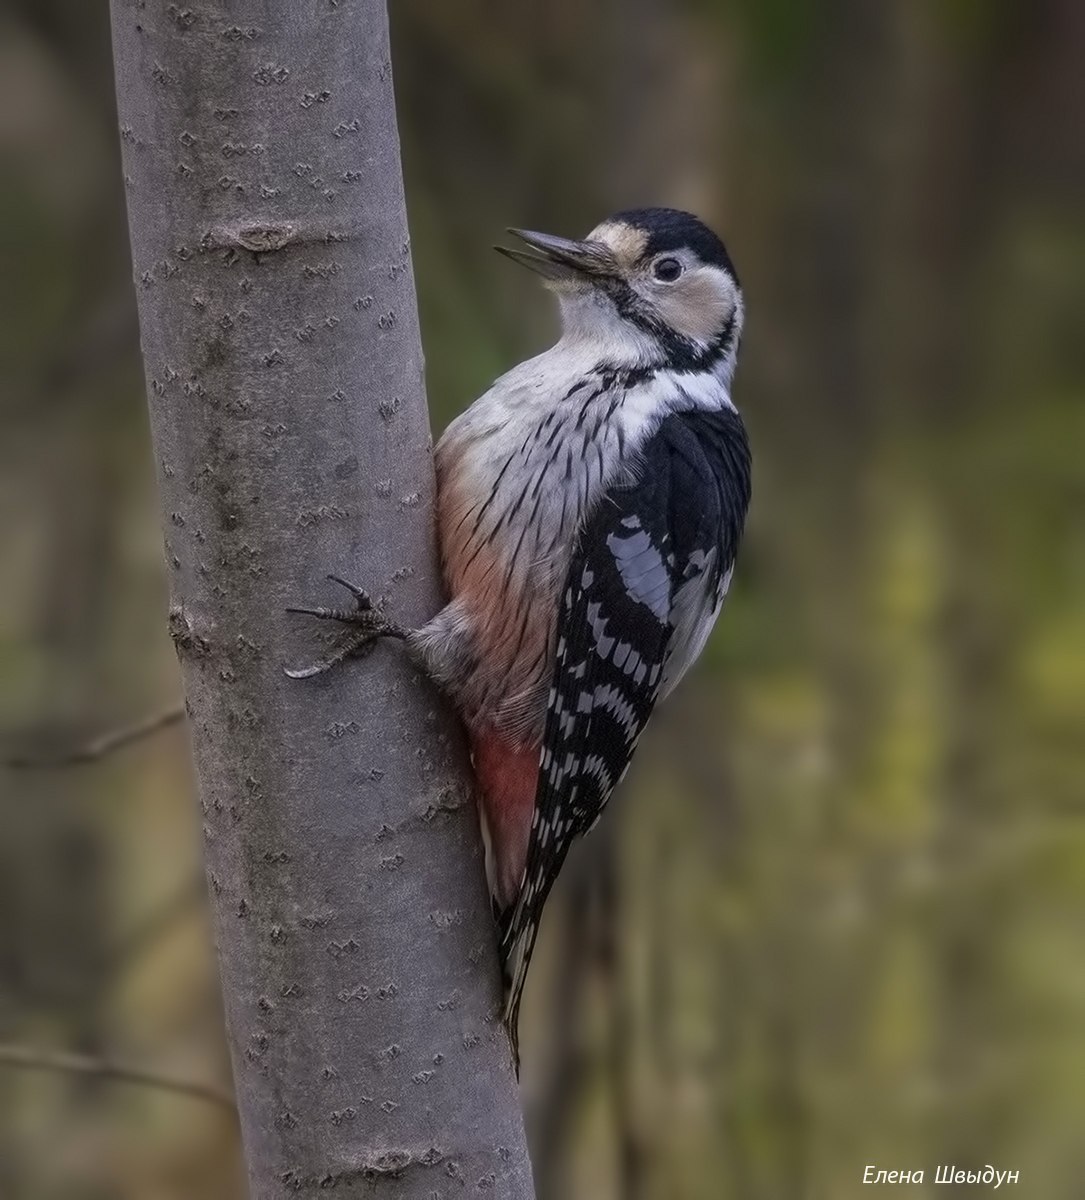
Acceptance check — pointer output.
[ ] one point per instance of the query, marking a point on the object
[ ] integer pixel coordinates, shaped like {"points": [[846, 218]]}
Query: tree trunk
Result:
{"points": [[284, 371]]}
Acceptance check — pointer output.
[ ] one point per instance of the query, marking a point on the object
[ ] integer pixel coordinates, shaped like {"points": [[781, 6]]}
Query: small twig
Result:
{"points": [[99, 747], [33, 1059]]}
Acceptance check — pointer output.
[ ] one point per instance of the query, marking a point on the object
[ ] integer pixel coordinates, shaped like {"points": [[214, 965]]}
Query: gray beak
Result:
{"points": [[558, 259]]}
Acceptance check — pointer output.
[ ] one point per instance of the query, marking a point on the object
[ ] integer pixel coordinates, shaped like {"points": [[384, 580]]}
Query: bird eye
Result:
{"points": [[667, 270]]}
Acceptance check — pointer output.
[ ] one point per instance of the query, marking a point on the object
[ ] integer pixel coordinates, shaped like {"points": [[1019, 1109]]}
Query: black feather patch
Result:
{"points": [[678, 522]]}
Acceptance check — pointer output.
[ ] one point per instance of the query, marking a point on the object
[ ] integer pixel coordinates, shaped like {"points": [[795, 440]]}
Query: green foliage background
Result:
{"points": [[837, 914]]}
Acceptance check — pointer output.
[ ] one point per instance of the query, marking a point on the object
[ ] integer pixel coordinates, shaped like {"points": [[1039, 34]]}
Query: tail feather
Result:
{"points": [[519, 927]]}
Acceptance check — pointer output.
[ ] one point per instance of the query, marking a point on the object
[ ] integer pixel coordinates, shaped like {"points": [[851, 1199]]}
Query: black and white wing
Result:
{"points": [[645, 584]]}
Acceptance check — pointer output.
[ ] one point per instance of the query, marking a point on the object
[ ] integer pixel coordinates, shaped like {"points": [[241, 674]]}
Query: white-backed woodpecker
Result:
{"points": [[589, 510]]}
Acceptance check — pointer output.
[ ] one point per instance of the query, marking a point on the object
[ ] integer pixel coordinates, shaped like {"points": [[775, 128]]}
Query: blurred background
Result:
{"points": [[837, 916]]}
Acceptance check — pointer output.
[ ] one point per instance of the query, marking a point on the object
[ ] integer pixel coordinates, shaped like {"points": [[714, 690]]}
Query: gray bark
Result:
{"points": [[284, 372]]}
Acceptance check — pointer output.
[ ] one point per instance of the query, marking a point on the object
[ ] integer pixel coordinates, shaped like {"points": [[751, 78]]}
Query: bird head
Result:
{"points": [[653, 285]]}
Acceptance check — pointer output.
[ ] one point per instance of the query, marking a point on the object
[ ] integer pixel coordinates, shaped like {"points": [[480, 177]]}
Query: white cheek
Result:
{"points": [[698, 306]]}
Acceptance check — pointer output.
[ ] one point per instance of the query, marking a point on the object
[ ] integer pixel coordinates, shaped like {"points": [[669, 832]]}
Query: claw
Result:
{"points": [[360, 595], [367, 619], [350, 616], [309, 671]]}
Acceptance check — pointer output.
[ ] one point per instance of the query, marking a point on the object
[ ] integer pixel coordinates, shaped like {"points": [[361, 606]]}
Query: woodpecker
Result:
{"points": [[589, 510]]}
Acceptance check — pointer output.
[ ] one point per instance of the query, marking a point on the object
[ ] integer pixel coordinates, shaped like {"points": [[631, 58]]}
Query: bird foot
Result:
{"points": [[365, 624]]}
